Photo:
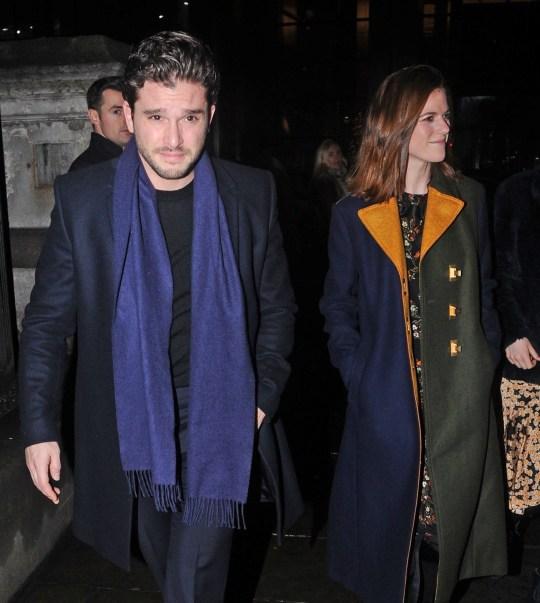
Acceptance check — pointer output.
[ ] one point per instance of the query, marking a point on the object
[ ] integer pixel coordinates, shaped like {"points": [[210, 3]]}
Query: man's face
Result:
{"points": [[109, 120], [170, 125]]}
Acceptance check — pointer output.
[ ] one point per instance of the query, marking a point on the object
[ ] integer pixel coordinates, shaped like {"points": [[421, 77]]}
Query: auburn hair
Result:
{"points": [[381, 163]]}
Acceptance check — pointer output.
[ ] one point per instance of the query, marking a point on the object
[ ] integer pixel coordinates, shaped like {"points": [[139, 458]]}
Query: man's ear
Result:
{"points": [[94, 119], [128, 115], [212, 111]]}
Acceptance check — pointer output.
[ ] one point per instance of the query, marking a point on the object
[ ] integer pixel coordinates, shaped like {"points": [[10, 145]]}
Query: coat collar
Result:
{"points": [[382, 222]]}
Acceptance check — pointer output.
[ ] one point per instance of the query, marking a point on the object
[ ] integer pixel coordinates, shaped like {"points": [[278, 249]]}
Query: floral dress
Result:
{"points": [[412, 211], [521, 418]]}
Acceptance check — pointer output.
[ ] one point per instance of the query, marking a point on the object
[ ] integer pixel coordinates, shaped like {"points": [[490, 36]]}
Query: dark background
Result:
{"points": [[297, 71]]}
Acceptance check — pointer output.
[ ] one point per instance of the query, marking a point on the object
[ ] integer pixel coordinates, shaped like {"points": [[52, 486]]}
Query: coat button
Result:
{"points": [[454, 272], [453, 311], [455, 347]]}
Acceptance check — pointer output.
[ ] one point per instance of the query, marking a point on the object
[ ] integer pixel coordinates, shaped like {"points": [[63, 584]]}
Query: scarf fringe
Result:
{"points": [[167, 497], [211, 512], [214, 512]]}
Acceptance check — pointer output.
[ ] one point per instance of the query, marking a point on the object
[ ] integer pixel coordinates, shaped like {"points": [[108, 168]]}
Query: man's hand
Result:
{"points": [[522, 354], [260, 417], [43, 462]]}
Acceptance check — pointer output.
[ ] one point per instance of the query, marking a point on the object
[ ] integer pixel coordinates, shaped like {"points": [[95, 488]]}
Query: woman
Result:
{"points": [[412, 329], [517, 224], [328, 181], [329, 170]]}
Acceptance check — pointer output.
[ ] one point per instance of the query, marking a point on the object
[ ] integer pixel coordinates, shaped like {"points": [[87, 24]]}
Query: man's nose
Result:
{"points": [[174, 135], [124, 122]]}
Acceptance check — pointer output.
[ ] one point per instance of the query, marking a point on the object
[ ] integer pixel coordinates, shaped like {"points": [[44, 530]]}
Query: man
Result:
{"points": [[109, 130], [170, 268]]}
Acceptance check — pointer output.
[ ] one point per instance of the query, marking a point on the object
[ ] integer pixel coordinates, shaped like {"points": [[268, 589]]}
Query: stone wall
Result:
{"points": [[43, 84]]}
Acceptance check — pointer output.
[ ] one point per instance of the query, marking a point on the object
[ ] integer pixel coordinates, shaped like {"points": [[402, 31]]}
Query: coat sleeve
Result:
{"points": [[506, 227], [276, 323], [49, 319], [339, 303]]}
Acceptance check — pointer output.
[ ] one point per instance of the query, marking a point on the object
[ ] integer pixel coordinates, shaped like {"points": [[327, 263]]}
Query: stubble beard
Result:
{"points": [[173, 172]]}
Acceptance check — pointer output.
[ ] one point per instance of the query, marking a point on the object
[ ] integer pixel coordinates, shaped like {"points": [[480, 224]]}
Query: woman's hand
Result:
{"points": [[522, 354]]}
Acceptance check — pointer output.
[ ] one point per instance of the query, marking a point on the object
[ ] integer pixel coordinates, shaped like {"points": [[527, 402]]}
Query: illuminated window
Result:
{"points": [[494, 1], [431, 12], [362, 24], [289, 21], [429, 18]]}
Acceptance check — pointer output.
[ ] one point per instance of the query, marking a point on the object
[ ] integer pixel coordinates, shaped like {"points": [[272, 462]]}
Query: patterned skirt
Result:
{"points": [[521, 416]]}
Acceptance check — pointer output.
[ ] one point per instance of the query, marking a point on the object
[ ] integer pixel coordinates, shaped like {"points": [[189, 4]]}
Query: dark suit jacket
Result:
{"points": [[74, 294]]}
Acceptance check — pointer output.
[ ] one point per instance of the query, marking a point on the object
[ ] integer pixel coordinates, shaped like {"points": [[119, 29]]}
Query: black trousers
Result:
{"points": [[190, 563], [424, 565]]}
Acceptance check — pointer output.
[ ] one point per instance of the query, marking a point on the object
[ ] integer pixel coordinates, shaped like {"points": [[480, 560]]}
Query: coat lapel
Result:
{"points": [[228, 191], [382, 222], [442, 209]]}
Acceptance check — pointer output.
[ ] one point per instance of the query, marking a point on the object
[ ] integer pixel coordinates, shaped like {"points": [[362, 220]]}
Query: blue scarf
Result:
{"points": [[221, 421]]}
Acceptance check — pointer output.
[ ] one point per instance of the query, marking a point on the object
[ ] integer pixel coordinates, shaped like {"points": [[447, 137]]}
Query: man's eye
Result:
{"points": [[191, 118], [155, 117]]}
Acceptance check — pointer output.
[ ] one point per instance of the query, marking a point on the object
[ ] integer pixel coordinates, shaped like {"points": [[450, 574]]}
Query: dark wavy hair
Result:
{"points": [[167, 56], [381, 163], [94, 96]]}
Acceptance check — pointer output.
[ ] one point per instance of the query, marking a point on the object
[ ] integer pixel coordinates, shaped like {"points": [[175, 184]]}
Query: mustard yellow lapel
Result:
{"points": [[382, 222], [441, 211]]}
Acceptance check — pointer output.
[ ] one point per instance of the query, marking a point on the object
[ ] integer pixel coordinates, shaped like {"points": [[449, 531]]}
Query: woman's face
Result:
{"points": [[333, 158], [428, 140]]}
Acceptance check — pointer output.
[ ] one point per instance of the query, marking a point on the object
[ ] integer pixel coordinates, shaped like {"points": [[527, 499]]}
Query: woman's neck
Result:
{"points": [[417, 177]]}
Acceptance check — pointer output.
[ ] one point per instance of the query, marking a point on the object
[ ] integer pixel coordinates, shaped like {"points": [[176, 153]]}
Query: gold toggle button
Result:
{"points": [[453, 311], [455, 347], [453, 272]]}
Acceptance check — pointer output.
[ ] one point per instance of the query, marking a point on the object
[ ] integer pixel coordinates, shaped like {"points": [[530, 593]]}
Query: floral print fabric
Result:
{"points": [[521, 419], [412, 211]]}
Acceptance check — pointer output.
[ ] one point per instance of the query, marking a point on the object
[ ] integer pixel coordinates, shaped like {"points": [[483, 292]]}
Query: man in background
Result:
{"points": [[105, 112]]}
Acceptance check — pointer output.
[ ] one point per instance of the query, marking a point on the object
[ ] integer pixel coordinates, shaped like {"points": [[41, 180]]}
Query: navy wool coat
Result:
{"points": [[74, 294], [374, 499]]}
